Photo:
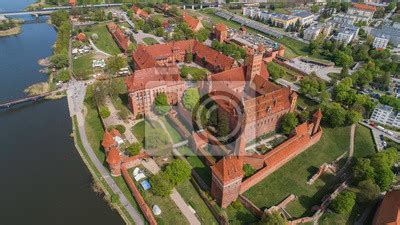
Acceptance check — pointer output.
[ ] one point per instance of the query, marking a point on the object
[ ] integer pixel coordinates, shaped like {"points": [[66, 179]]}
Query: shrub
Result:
{"points": [[248, 170], [161, 184], [121, 128], [178, 171], [344, 202], [134, 149], [104, 112]]}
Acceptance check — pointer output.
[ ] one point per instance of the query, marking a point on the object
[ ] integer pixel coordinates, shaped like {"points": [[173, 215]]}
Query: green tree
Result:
{"points": [[59, 60], [178, 171], [289, 122], [275, 71], [115, 63], [161, 105], [362, 170], [343, 59], [353, 117], [223, 125], [274, 218], [334, 114], [248, 170], [191, 98], [344, 202], [384, 177], [161, 184], [189, 57], [104, 112], [58, 17], [315, 8], [368, 191], [134, 149]]}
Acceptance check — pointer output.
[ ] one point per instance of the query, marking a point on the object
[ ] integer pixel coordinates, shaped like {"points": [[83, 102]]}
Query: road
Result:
{"points": [[286, 83], [76, 94], [140, 34], [376, 133]]}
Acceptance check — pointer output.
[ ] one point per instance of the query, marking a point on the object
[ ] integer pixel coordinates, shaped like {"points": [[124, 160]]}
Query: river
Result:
{"points": [[42, 177]]}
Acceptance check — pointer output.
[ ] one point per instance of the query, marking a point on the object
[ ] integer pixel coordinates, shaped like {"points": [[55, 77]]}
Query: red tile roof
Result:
{"points": [[81, 37], [108, 138], [72, 2], [118, 35], [192, 22], [389, 210], [228, 169], [221, 27], [113, 156], [147, 56], [152, 77], [138, 11], [364, 7]]}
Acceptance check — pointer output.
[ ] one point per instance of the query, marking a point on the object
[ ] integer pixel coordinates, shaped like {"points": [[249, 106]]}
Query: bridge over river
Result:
{"points": [[47, 11]]}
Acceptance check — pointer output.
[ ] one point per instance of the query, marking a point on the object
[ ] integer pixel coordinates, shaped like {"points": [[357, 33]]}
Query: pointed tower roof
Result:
{"points": [[228, 169]]}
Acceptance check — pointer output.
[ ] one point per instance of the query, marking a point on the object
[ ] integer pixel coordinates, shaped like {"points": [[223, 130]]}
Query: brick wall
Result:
{"points": [[250, 206], [147, 212], [266, 171]]}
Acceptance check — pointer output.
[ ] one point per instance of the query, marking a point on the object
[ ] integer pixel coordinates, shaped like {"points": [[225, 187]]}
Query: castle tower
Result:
{"points": [[254, 62], [240, 145], [316, 121], [114, 162], [221, 32], [227, 177], [293, 100]]}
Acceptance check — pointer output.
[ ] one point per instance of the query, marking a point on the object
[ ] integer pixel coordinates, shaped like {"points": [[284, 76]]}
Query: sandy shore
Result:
{"points": [[9, 32]]}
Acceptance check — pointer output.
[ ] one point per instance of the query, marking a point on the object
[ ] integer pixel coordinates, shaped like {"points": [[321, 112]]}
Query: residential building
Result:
{"points": [[193, 23], [311, 33], [390, 32], [280, 20], [140, 12], [362, 12], [389, 210], [340, 20], [386, 115], [170, 53], [380, 42], [305, 17], [346, 34]]}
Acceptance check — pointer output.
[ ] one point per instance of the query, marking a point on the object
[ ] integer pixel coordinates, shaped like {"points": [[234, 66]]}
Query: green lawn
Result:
{"points": [[171, 130], [194, 72], [292, 177], [290, 74], [197, 165], [293, 47], [239, 216], [82, 66], [192, 198], [150, 41], [307, 104], [141, 129], [105, 42], [170, 213], [94, 131], [363, 143]]}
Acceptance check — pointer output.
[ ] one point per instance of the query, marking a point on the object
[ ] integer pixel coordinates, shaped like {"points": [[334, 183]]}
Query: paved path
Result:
{"points": [[140, 35], [97, 49], [76, 94]]}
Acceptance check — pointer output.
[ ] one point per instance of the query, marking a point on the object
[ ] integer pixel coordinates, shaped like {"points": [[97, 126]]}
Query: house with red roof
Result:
{"points": [[81, 37], [140, 12], [72, 2], [362, 12], [193, 23]]}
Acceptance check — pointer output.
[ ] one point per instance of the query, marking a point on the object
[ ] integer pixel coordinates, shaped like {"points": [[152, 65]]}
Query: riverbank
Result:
{"points": [[13, 31]]}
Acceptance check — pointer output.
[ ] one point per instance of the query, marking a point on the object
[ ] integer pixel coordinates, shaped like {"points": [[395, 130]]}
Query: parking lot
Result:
{"points": [[321, 71]]}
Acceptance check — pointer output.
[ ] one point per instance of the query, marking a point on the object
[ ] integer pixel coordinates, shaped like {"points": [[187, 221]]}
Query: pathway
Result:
{"points": [[97, 49], [351, 152], [175, 196], [76, 94], [140, 35]]}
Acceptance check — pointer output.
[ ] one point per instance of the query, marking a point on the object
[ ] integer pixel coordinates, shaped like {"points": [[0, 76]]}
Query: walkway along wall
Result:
{"points": [[288, 150]]}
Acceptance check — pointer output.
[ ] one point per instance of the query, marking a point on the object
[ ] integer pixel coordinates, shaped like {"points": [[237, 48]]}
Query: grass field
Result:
{"points": [[82, 66], [176, 138], [170, 212], [290, 74], [150, 41], [105, 42], [285, 181], [144, 127], [192, 198], [195, 73], [364, 143], [293, 47]]}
